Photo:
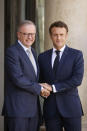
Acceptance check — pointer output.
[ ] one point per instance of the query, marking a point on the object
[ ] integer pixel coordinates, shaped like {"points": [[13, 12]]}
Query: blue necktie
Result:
{"points": [[56, 62]]}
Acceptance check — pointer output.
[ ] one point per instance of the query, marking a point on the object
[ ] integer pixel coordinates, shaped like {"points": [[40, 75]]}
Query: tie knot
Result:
{"points": [[28, 51], [57, 52]]}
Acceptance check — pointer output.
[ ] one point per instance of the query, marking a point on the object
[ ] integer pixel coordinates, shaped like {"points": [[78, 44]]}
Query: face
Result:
{"points": [[58, 36], [26, 35]]}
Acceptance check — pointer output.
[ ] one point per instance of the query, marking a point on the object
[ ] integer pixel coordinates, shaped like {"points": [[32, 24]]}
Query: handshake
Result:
{"points": [[45, 91]]}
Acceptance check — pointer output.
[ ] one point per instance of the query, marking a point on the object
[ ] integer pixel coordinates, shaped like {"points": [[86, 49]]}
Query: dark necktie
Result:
{"points": [[56, 61]]}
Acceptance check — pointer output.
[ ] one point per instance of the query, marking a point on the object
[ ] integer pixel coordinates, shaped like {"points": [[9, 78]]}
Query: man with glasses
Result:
{"points": [[21, 104]]}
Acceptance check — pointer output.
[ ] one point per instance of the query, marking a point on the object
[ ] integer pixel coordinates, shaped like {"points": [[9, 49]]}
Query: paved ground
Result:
{"points": [[84, 128]]}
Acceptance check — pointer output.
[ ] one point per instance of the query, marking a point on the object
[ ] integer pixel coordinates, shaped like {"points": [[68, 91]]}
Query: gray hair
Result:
{"points": [[25, 22]]}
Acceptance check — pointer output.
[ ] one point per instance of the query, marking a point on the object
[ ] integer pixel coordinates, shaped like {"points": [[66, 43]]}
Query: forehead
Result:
{"points": [[28, 28], [58, 30]]}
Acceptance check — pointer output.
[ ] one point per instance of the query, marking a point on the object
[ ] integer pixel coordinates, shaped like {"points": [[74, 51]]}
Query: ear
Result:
{"points": [[66, 35], [50, 36], [18, 34]]}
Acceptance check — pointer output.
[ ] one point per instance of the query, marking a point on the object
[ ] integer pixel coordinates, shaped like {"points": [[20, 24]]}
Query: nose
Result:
{"points": [[29, 36], [58, 37]]}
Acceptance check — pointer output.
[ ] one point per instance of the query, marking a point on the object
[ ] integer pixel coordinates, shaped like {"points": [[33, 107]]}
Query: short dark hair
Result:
{"points": [[58, 24]]}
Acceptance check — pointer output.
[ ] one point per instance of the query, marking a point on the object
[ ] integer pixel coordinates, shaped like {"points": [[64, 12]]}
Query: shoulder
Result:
{"points": [[12, 51], [75, 52], [45, 53], [33, 50], [11, 48], [76, 55]]}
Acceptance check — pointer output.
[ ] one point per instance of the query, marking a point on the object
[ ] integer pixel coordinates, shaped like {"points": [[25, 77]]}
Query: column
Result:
{"points": [[14, 13], [1, 61], [40, 23]]}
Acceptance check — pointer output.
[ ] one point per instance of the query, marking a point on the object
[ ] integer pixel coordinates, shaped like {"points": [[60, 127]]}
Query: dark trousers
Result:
{"points": [[54, 121], [69, 124], [21, 124]]}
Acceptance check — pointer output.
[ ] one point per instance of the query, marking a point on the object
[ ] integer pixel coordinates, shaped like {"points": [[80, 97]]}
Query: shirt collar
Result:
{"points": [[24, 47], [61, 50]]}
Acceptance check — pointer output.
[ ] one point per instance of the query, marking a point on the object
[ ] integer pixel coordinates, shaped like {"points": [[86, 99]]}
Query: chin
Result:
{"points": [[59, 47], [29, 44]]}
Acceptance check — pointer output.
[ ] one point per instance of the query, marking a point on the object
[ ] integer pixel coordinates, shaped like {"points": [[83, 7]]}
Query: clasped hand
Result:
{"points": [[45, 91]]}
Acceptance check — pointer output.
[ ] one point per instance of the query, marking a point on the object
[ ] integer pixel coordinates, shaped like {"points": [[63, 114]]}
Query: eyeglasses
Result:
{"points": [[28, 34]]}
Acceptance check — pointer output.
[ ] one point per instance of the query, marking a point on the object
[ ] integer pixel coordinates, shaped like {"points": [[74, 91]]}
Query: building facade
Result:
{"points": [[43, 13]]}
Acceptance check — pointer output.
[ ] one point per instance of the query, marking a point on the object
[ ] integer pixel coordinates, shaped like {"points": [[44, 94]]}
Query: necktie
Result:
{"points": [[31, 57], [56, 62]]}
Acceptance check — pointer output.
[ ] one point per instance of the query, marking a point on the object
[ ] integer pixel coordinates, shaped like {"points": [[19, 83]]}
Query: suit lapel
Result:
{"points": [[63, 59], [34, 54], [49, 65], [25, 57]]}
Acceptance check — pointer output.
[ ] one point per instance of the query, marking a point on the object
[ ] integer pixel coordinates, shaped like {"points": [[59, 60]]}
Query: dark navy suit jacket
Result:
{"points": [[21, 87], [68, 76]]}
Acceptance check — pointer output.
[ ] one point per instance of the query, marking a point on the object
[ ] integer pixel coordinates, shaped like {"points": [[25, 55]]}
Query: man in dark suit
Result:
{"points": [[21, 103], [62, 68]]}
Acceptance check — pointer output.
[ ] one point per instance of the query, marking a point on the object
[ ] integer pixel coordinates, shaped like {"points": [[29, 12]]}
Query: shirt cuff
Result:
{"points": [[54, 89], [41, 88]]}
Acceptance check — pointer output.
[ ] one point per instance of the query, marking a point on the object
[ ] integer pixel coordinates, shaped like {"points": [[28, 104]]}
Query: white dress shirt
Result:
{"points": [[53, 59], [26, 50]]}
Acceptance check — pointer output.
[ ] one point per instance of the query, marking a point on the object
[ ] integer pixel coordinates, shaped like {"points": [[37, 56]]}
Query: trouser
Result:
{"points": [[69, 124], [21, 124]]}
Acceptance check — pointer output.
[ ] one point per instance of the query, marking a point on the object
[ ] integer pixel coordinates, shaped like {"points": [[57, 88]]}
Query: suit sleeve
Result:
{"points": [[76, 77], [16, 75]]}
